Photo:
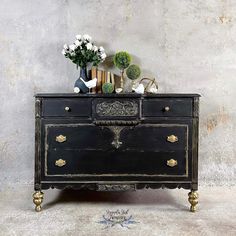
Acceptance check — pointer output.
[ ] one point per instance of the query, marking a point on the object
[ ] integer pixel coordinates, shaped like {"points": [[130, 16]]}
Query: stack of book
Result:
{"points": [[104, 77]]}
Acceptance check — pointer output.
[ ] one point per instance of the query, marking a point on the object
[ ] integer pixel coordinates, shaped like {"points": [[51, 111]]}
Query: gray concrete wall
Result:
{"points": [[190, 46]]}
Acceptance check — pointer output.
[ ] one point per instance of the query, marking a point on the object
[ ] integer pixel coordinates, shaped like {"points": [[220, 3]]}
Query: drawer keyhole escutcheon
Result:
{"points": [[60, 138], [116, 130], [172, 163], [172, 138], [60, 162]]}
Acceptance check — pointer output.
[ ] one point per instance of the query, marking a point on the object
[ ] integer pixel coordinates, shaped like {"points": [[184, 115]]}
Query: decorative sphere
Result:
{"points": [[122, 60], [107, 88], [76, 89], [133, 72]]}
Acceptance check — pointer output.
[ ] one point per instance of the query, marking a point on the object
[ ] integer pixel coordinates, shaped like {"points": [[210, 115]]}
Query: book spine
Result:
{"points": [[113, 79], [94, 75], [108, 78], [103, 77], [99, 81]]}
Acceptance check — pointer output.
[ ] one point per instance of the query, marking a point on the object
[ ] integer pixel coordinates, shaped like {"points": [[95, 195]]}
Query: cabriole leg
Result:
{"points": [[193, 200], [38, 199]]}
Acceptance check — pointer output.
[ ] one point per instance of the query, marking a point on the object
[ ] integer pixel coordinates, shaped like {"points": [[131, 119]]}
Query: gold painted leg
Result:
{"points": [[193, 200], [38, 199]]}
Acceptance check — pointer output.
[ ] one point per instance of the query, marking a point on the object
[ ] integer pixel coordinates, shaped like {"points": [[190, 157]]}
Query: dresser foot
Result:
{"points": [[38, 199], [193, 200]]}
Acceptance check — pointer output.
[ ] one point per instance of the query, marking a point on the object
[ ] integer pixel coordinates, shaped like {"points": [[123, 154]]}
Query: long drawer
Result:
{"points": [[110, 163], [141, 138]]}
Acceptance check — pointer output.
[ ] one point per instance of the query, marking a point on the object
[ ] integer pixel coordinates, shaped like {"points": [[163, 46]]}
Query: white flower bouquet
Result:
{"points": [[83, 51]]}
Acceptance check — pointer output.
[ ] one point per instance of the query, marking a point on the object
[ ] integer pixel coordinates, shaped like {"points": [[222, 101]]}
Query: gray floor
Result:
{"points": [[152, 212]]}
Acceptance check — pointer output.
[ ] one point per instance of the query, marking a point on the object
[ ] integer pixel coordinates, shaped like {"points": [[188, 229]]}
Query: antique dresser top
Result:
{"points": [[167, 95]]}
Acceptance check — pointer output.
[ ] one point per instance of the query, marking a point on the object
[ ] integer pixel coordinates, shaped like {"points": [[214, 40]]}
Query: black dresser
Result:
{"points": [[116, 142]]}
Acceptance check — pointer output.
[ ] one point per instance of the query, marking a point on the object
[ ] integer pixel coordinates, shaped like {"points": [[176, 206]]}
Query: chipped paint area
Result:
{"points": [[225, 19]]}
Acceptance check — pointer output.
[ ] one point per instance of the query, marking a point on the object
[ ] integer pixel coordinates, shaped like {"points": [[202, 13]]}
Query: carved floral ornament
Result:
{"points": [[115, 187], [117, 108]]}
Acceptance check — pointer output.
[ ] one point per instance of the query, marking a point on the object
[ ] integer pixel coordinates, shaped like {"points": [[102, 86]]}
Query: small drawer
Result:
{"points": [[167, 107], [66, 107], [118, 108]]}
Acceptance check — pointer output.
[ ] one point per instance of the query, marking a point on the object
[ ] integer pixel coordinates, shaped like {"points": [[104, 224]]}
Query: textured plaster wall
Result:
{"points": [[190, 46]]}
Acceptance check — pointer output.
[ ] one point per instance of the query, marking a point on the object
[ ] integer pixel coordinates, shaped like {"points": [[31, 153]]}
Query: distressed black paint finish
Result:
{"points": [[119, 149]]}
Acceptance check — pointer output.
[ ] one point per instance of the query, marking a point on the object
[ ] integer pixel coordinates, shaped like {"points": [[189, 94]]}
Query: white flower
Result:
{"points": [[101, 49], [78, 36], [66, 46], [63, 52], [78, 43], [72, 47], [95, 48], [103, 55], [89, 46], [87, 37], [76, 90]]}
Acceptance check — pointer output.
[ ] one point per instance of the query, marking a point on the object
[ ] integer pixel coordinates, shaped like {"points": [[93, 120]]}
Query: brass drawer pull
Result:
{"points": [[60, 138], [172, 138], [60, 162], [166, 108], [67, 109], [172, 163]]}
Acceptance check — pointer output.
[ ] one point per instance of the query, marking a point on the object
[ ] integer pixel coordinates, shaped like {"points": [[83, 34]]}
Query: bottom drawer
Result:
{"points": [[114, 163]]}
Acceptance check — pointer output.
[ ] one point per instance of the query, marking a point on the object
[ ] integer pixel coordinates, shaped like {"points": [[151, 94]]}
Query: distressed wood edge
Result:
{"points": [[164, 185], [37, 161], [115, 95], [195, 141], [116, 187], [196, 107]]}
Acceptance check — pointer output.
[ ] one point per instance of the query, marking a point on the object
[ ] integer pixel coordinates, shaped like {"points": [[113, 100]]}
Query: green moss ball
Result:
{"points": [[122, 60], [133, 72], [107, 88]]}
